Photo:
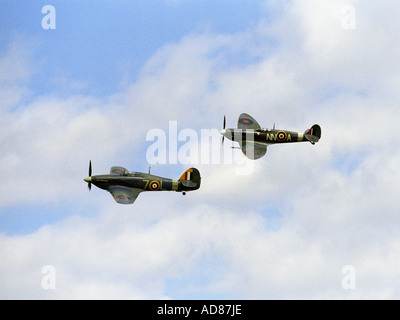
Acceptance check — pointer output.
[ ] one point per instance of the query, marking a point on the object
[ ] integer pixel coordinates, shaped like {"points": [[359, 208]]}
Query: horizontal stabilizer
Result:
{"points": [[189, 184]]}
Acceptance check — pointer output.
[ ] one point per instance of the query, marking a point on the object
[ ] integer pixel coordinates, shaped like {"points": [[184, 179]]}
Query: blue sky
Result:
{"points": [[111, 71], [107, 43]]}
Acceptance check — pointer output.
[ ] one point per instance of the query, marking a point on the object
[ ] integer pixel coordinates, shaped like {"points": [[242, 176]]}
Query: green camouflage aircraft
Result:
{"points": [[126, 186], [254, 140]]}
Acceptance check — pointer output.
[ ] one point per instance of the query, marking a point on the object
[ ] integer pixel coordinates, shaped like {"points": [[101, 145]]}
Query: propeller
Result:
{"points": [[89, 180], [224, 125]]}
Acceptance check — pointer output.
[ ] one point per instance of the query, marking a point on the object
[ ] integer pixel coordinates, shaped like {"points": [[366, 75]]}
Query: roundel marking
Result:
{"points": [[154, 185], [246, 121], [281, 136]]}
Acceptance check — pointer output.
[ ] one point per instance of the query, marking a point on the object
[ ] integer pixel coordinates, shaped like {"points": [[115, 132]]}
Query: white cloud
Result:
{"points": [[16, 69], [336, 202]]}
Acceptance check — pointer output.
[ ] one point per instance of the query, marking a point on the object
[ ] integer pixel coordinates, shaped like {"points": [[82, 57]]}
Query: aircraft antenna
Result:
{"points": [[149, 169]]}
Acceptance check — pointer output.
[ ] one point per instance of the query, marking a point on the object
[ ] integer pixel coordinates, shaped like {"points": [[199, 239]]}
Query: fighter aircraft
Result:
{"points": [[126, 186], [254, 140]]}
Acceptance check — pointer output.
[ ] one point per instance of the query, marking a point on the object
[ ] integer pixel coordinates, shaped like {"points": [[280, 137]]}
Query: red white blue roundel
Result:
{"points": [[246, 121], [281, 136], [154, 185]]}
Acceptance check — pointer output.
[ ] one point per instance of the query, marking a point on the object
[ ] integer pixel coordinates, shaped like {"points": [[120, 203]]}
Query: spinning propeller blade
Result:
{"points": [[90, 175], [224, 125]]}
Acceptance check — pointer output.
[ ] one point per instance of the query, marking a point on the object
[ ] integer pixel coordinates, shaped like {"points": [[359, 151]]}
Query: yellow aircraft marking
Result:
{"points": [[300, 137], [175, 185]]}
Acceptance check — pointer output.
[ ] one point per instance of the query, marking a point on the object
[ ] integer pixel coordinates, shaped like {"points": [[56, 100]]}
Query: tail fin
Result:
{"points": [[313, 134], [190, 179]]}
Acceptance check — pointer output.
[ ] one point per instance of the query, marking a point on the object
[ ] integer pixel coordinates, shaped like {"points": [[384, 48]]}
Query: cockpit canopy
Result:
{"points": [[121, 171]]}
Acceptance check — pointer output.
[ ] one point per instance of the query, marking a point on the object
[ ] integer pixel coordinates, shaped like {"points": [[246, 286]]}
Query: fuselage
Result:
{"points": [[138, 180], [263, 136]]}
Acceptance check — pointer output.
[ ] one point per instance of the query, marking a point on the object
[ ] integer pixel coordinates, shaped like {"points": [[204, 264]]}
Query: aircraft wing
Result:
{"points": [[124, 195], [253, 151], [246, 121]]}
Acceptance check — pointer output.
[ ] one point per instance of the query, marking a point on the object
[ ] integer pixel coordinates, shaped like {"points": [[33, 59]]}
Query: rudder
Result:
{"points": [[313, 134], [191, 179]]}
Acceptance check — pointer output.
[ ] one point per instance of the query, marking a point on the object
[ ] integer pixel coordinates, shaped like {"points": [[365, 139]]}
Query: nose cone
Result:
{"points": [[88, 179], [223, 132]]}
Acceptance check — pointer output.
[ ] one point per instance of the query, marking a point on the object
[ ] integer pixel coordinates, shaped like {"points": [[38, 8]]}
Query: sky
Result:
{"points": [[85, 80]]}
